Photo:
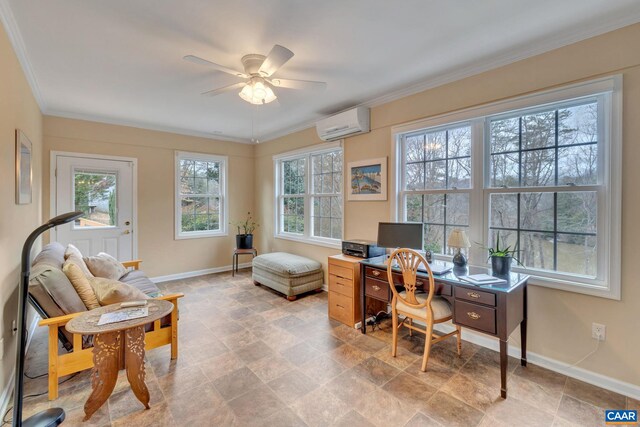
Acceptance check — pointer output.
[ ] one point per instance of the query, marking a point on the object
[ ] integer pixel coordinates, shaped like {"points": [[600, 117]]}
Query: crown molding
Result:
{"points": [[15, 37], [511, 56], [146, 126]]}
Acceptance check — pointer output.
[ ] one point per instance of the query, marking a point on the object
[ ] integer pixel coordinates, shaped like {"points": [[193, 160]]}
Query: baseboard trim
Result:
{"points": [[196, 273], [7, 390], [581, 374]]}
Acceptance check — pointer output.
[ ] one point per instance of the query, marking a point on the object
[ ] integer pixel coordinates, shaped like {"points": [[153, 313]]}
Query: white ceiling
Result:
{"points": [[120, 61]]}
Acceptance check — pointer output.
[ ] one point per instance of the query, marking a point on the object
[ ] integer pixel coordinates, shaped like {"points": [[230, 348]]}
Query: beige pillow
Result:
{"points": [[111, 291], [104, 265], [73, 254], [81, 284]]}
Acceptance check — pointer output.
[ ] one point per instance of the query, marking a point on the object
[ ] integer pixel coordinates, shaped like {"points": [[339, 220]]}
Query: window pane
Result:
{"points": [[536, 211], [337, 161], [459, 144], [435, 175], [504, 170], [414, 148], [200, 185], [200, 169], [539, 130], [578, 212], [537, 250], [336, 229], [213, 177], [505, 239], [504, 211], [578, 165], [434, 208], [414, 176], [413, 208], [538, 168], [577, 254], [436, 145], [317, 164], [327, 163], [325, 227], [505, 135], [457, 209], [317, 183], [578, 125], [187, 209], [459, 173], [327, 183], [325, 206], [95, 195], [434, 238], [337, 182], [336, 207]]}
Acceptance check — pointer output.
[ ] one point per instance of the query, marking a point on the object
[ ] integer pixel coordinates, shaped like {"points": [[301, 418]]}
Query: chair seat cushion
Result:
{"points": [[286, 265], [440, 306]]}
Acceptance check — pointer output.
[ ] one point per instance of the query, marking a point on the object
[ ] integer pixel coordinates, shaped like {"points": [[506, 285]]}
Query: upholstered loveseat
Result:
{"points": [[56, 301]]}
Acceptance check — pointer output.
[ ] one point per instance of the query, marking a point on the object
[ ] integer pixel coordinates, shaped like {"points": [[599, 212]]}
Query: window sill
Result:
{"points": [[200, 235], [310, 241]]}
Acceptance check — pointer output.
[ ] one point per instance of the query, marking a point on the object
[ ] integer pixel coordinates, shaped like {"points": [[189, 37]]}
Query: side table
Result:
{"points": [[116, 346], [234, 260]]}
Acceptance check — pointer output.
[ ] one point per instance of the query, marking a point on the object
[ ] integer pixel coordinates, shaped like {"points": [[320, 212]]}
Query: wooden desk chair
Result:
{"points": [[424, 307]]}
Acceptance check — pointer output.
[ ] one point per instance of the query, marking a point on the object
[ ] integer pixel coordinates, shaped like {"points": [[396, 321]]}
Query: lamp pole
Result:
{"points": [[52, 416]]}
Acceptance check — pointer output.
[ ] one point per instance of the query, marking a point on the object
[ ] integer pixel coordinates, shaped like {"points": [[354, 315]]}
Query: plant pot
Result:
{"points": [[244, 241], [501, 265]]}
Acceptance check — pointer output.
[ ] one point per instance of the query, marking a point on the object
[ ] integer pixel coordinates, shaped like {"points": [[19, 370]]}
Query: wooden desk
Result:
{"points": [[495, 310]]}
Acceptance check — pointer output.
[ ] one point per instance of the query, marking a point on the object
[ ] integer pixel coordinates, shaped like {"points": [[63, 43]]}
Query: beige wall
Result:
{"points": [[18, 109], [161, 253], [559, 322]]}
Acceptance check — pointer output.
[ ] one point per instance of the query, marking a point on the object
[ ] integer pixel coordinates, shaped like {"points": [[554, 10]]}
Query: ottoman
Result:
{"points": [[287, 273]]}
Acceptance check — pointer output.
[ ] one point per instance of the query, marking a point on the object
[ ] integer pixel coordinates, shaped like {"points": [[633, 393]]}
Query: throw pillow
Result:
{"points": [[104, 265], [73, 254], [81, 284], [111, 291]]}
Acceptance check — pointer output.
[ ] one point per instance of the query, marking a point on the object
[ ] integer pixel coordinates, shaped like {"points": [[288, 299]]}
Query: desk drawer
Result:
{"points": [[475, 316], [341, 308], [338, 270], [475, 296], [375, 273], [341, 285], [377, 289]]}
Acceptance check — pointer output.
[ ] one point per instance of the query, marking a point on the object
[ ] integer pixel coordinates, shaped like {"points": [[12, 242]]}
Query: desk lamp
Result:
{"points": [[52, 416], [458, 239]]}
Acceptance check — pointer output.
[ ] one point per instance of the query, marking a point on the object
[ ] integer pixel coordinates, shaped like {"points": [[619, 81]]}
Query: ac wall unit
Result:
{"points": [[347, 123]]}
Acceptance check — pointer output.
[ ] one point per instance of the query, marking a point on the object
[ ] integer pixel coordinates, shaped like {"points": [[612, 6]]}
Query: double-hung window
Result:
{"points": [[201, 207], [309, 195], [540, 173]]}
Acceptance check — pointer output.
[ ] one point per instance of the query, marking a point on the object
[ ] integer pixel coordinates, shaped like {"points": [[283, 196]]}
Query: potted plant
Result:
{"points": [[244, 237], [501, 258]]}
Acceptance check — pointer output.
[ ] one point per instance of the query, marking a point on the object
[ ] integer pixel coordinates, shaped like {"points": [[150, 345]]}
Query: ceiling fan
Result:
{"points": [[258, 70]]}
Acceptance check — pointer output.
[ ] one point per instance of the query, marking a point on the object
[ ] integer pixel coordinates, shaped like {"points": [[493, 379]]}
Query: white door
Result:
{"points": [[103, 189]]}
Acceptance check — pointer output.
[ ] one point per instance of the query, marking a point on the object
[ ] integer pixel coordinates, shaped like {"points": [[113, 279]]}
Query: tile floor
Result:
{"points": [[248, 357]]}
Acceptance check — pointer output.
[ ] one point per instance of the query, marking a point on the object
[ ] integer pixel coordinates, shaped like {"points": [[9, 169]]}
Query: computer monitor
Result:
{"points": [[400, 235]]}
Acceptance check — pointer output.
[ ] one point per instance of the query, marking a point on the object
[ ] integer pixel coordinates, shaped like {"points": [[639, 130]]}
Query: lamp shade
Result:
{"points": [[458, 239]]}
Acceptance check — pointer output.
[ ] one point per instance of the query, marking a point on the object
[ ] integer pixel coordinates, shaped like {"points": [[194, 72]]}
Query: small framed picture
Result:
{"points": [[23, 168], [368, 180]]}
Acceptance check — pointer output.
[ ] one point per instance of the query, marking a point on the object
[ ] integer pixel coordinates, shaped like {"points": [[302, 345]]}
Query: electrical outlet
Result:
{"points": [[598, 331], [14, 328]]}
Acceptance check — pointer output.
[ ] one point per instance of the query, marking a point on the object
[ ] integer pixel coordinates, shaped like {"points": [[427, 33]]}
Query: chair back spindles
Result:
{"points": [[409, 261]]}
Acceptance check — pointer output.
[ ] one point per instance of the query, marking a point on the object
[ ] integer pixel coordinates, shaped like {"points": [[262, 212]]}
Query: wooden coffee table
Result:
{"points": [[117, 346]]}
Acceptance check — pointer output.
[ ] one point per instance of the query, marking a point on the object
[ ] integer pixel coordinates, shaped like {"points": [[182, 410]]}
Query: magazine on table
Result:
{"points": [[482, 279], [123, 315]]}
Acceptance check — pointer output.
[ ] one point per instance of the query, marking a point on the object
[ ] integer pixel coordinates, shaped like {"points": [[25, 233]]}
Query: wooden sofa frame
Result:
{"points": [[80, 358]]}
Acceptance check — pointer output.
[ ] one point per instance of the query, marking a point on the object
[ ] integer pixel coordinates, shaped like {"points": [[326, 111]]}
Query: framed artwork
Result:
{"points": [[23, 168], [368, 180]]}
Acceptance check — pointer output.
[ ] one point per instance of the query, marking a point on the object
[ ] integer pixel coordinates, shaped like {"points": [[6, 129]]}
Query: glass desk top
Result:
{"points": [[453, 276]]}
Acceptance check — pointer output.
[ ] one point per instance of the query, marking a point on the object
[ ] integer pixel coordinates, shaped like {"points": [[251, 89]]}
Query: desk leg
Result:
{"points": [[504, 361], [363, 306], [134, 361], [106, 360]]}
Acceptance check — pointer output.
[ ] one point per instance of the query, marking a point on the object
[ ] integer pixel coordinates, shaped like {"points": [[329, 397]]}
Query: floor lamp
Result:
{"points": [[53, 416]]}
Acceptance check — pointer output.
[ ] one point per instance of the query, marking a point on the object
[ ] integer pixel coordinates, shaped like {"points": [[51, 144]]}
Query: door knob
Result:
{"points": [[126, 232]]}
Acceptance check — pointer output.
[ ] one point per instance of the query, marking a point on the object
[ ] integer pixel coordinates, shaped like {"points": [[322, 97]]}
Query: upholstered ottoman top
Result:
{"points": [[287, 265]]}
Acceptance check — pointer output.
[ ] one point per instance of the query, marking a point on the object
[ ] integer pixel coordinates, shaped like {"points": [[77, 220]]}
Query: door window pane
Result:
{"points": [[95, 195]]}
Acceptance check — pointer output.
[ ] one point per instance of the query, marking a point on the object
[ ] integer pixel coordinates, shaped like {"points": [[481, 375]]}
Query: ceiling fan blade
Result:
{"points": [[200, 61], [224, 89], [276, 59], [297, 84]]}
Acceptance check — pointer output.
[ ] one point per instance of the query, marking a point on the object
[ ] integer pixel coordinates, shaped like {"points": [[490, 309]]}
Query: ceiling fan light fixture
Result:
{"points": [[257, 93]]}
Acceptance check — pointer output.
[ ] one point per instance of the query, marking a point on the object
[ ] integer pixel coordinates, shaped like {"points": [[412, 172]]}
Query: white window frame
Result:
{"points": [[307, 236], [608, 91], [224, 206]]}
